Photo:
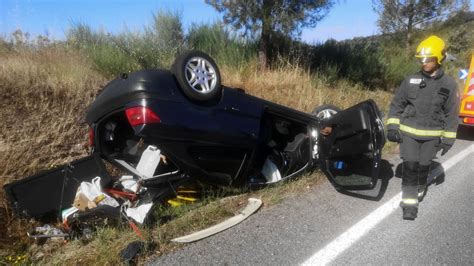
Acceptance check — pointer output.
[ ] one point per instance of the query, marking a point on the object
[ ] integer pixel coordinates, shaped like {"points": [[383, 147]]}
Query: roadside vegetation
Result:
{"points": [[47, 85]]}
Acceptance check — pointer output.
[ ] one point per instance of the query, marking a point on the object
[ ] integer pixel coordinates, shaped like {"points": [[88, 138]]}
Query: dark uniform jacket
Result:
{"points": [[426, 107]]}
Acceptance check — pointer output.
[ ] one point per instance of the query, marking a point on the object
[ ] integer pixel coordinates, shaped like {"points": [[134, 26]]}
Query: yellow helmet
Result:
{"points": [[432, 46]]}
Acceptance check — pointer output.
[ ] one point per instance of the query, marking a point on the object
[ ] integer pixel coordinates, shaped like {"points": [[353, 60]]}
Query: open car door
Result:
{"points": [[350, 155]]}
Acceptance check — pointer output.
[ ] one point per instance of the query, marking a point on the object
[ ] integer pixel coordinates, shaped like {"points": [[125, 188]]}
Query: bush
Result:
{"points": [[356, 60], [218, 42], [397, 63], [155, 47], [99, 47], [5, 46]]}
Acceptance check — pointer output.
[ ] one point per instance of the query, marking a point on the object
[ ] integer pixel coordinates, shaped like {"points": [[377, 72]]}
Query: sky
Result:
{"points": [[346, 20]]}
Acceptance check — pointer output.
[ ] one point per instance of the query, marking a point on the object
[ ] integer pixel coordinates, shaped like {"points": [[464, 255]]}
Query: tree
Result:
{"points": [[268, 17], [406, 15]]}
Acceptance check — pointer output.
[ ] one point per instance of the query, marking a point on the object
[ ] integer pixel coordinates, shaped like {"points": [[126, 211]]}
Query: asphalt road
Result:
{"points": [[325, 226]]}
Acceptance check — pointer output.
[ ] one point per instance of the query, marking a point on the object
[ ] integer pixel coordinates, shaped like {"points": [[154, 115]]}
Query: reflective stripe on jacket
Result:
{"points": [[426, 107]]}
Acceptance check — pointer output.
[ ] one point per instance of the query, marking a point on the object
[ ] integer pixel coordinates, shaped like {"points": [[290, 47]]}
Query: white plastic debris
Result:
{"points": [[139, 213], [270, 171], [149, 161], [89, 195], [129, 183]]}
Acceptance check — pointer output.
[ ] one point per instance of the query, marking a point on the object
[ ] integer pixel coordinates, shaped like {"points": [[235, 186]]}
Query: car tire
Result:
{"points": [[198, 76], [325, 111]]}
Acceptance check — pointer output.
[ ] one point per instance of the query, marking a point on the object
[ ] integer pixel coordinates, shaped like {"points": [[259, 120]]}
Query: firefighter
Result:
{"points": [[423, 118]]}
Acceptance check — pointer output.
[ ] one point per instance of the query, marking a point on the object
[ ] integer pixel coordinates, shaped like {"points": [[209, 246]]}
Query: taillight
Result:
{"points": [[91, 137], [468, 120], [140, 115]]}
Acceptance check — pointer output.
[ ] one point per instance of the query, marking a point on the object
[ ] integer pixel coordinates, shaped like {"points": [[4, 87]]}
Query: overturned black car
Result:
{"points": [[189, 126]]}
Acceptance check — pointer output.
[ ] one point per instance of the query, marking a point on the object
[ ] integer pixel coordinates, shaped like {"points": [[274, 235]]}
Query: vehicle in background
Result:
{"points": [[466, 112]]}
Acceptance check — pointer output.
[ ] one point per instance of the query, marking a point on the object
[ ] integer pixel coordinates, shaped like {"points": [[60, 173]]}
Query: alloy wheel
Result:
{"points": [[200, 75]]}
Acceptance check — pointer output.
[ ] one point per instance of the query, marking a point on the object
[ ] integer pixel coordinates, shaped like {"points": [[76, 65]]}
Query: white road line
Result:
{"points": [[353, 234]]}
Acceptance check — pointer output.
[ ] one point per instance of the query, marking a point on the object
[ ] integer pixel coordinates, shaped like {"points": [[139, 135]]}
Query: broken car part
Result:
{"points": [[46, 194], [252, 206], [46, 231]]}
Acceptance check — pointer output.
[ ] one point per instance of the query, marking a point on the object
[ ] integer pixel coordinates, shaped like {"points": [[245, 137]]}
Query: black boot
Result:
{"points": [[410, 213]]}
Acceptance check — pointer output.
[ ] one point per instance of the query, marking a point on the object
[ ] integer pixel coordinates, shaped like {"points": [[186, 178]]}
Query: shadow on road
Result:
{"points": [[436, 175], [465, 133]]}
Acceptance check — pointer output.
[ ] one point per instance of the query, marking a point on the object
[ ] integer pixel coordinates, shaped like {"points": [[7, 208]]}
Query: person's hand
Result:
{"points": [[326, 131], [394, 135], [444, 147]]}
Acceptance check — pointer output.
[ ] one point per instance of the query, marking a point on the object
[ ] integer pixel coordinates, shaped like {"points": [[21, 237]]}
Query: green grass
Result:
{"points": [[226, 48]]}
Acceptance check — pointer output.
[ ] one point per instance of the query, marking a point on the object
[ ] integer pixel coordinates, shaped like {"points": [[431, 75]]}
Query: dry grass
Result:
{"points": [[44, 98], [293, 86]]}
